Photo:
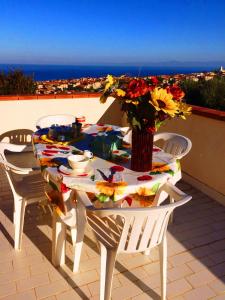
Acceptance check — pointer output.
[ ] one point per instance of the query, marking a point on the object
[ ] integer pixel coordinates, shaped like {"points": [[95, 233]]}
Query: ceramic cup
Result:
{"points": [[88, 154], [78, 161]]}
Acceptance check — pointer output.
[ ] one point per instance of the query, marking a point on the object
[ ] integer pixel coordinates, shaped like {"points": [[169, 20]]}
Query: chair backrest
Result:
{"points": [[49, 120], [17, 136], [134, 229], [9, 168], [175, 144]]}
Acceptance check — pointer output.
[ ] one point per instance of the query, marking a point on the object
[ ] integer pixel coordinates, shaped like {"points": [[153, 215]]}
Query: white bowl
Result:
{"points": [[78, 161]]}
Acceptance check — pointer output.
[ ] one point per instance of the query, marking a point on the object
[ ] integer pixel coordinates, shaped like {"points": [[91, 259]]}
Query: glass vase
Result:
{"points": [[141, 154]]}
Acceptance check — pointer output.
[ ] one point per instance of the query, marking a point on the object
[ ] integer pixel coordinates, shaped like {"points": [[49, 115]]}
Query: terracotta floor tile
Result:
{"points": [[196, 264]]}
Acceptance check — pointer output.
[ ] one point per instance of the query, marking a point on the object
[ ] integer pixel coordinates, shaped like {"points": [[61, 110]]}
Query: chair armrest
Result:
{"points": [[36, 168], [165, 190], [83, 198], [15, 169]]}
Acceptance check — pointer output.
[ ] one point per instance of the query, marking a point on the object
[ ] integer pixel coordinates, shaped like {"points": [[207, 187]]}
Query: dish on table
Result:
{"points": [[75, 172]]}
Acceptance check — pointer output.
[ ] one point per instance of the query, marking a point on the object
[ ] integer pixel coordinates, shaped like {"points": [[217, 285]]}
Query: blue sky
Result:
{"points": [[111, 32]]}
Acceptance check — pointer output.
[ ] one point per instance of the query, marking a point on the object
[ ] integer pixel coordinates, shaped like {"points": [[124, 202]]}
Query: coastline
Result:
{"points": [[63, 72]]}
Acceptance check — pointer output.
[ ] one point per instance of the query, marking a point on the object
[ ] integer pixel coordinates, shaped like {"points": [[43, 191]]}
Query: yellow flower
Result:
{"points": [[144, 201], [103, 98], [144, 191], [162, 100], [120, 93], [110, 188], [109, 82], [132, 101], [160, 167], [184, 110]]}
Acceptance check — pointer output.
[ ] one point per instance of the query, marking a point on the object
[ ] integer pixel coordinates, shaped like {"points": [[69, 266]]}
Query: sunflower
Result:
{"points": [[144, 201], [162, 100], [111, 188], [184, 110]]}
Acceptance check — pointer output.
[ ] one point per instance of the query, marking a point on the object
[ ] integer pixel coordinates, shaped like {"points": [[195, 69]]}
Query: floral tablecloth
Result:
{"points": [[105, 181]]}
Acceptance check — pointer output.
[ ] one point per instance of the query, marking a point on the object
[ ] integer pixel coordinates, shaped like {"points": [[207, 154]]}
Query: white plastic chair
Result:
{"points": [[175, 144], [133, 230], [60, 222], [59, 239], [49, 120], [127, 134], [26, 188]]}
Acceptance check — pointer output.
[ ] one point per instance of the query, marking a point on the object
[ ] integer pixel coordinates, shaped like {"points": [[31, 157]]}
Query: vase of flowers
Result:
{"points": [[148, 103]]}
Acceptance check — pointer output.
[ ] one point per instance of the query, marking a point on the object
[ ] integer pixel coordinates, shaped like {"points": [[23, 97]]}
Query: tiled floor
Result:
{"points": [[196, 262]]}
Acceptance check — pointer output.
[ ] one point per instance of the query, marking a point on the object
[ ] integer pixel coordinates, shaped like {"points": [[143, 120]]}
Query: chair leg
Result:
{"points": [[19, 222], [78, 234], [58, 240], [171, 216], [108, 257], [163, 266], [78, 244], [73, 231]]}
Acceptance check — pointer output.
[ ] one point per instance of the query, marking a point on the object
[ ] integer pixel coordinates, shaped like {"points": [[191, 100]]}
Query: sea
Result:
{"points": [[55, 72]]}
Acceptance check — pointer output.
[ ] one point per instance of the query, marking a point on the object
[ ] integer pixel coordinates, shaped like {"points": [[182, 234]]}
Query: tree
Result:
{"points": [[16, 83], [207, 93]]}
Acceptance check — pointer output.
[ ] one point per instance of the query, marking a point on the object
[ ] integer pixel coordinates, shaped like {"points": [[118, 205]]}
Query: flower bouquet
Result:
{"points": [[148, 103]]}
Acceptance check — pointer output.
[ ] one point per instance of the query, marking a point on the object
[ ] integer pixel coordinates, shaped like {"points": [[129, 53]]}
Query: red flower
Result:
{"points": [[117, 169], [63, 148], [156, 150], [83, 175], [144, 177], [64, 188], [175, 90], [154, 80], [151, 129], [128, 199], [137, 88]]}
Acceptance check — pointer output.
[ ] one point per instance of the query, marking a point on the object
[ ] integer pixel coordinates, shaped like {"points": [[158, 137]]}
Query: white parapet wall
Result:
{"points": [[204, 166], [23, 113]]}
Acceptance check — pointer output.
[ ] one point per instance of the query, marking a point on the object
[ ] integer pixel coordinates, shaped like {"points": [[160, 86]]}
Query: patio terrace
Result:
{"points": [[196, 258], [196, 240]]}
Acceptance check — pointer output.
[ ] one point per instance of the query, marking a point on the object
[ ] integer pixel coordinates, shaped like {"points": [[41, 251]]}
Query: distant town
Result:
{"points": [[91, 85]]}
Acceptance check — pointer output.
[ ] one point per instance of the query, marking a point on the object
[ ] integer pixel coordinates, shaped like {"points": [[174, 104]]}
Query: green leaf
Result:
{"points": [[178, 165], [154, 173], [93, 177], [171, 172], [136, 123], [155, 187], [43, 167], [102, 197], [113, 198], [53, 185]]}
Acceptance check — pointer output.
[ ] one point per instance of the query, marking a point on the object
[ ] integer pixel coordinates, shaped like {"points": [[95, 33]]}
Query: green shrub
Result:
{"points": [[16, 83], [207, 93]]}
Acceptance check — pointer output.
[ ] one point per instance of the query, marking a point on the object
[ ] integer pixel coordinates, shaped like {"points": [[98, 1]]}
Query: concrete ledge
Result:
{"points": [[204, 188], [208, 112], [50, 96]]}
